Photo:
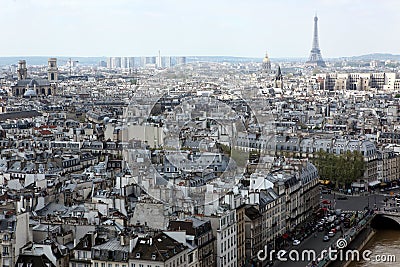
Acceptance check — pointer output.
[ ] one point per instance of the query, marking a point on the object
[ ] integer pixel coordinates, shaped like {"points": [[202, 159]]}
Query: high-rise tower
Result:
{"points": [[315, 58]]}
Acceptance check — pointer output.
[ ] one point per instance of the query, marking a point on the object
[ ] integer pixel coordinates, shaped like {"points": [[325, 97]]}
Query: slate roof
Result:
{"points": [[31, 82], [36, 261], [160, 248]]}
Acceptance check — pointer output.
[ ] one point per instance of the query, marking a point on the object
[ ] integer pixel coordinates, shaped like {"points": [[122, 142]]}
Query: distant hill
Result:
{"points": [[94, 61], [221, 59], [374, 56]]}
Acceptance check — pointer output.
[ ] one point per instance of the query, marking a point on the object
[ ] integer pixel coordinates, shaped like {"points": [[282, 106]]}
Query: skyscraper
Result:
{"points": [[180, 60], [315, 58], [159, 62]]}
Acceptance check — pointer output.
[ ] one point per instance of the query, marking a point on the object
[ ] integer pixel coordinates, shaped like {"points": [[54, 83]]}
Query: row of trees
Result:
{"points": [[341, 169]]}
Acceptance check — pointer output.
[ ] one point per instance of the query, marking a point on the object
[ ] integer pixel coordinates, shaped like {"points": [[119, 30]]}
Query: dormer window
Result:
{"points": [[137, 255], [153, 256]]}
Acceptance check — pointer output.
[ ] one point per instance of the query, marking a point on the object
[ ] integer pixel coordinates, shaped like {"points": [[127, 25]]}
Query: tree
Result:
{"points": [[341, 169]]}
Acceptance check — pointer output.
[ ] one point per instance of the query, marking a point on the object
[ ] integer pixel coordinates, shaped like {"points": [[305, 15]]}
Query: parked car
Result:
{"points": [[296, 242], [326, 238]]}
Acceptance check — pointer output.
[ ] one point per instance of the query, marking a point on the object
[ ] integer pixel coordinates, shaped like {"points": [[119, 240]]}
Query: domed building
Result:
{"points": [[266, 64], [41, 87], [32, 90]]}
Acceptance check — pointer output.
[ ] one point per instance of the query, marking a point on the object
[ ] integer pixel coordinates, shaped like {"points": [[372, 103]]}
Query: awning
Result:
{"points": [[374, 183], [325, 182], [361, 185]]}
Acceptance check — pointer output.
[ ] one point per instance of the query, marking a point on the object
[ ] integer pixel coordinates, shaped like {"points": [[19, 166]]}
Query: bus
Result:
{"points": [[349, 220]]}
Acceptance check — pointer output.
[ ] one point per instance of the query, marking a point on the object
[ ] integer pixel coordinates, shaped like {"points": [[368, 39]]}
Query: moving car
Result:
{"points": [[296, 242], [330, 234], [326, 238]]}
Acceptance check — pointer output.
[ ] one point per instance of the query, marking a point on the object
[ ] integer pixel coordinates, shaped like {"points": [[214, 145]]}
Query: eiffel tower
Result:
{"points": [[315, 58]]}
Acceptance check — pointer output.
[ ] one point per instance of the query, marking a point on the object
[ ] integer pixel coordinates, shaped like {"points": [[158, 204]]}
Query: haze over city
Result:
{"points": [[176, 27]]}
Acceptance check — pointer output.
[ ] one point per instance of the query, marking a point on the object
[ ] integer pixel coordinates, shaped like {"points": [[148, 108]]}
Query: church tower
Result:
{"points": [[52, 70], [279, 79], [22, 71]]}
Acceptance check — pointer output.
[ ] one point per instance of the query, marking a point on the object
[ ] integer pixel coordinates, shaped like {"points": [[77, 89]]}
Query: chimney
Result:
{"points": [[93, 236], [122, 240]]}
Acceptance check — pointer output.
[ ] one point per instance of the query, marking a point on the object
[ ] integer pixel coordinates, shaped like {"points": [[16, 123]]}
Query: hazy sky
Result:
{"points": [[202, 27]]}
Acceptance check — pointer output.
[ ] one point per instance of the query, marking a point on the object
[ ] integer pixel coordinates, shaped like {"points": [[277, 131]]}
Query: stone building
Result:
{"points": [[35, 87]]}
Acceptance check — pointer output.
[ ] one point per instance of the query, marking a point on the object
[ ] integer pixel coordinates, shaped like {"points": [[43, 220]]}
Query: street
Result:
{"points": [[352, 203]]}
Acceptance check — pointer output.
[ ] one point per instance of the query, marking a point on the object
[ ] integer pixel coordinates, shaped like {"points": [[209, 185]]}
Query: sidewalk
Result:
{"points": [[338, 193]]}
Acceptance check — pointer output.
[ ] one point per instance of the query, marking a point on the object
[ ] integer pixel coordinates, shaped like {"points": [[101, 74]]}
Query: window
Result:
{"points": [[96, 264]]}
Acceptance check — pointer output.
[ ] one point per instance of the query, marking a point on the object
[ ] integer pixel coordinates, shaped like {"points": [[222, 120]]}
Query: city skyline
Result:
{"points": [[229, 28]]}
